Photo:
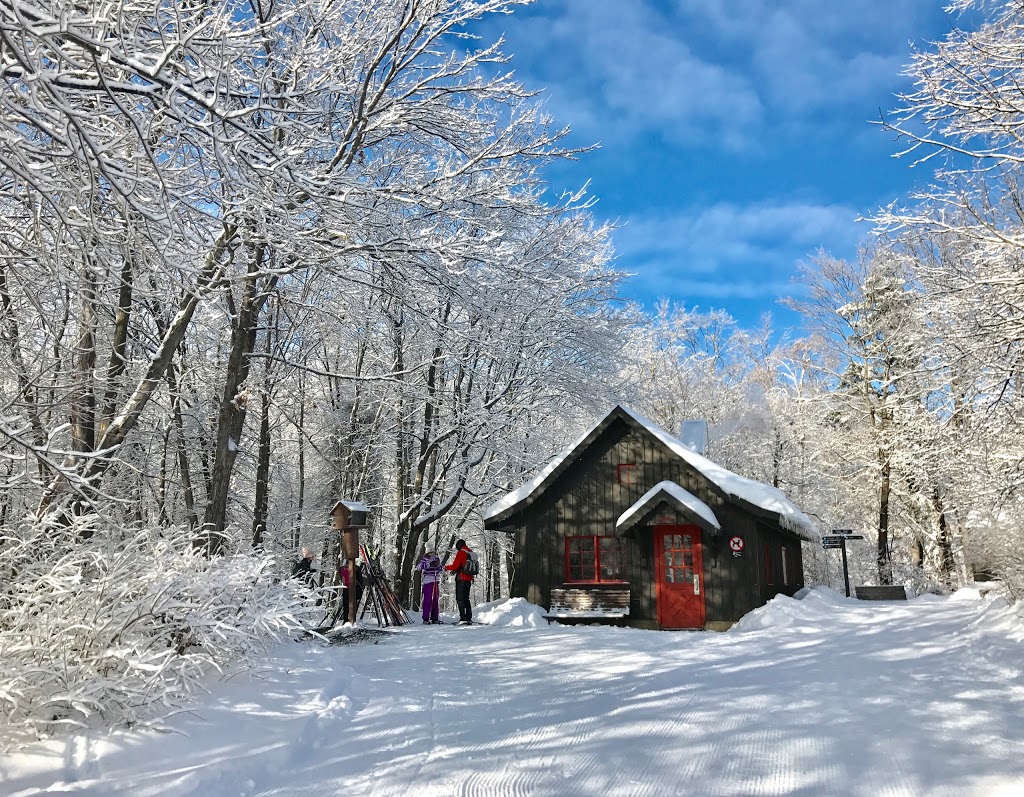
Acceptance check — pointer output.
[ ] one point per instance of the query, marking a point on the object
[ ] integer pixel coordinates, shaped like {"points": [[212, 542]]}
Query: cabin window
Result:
{"points": [[595, 559], [626, 473], [785, 568], [769, 579]]}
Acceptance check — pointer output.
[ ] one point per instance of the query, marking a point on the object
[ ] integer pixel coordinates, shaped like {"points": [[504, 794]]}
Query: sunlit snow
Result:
{"points": [[819, 695]]}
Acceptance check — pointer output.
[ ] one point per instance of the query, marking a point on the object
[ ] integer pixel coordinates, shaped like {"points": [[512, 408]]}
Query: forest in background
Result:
{"points": [[259, 256]]}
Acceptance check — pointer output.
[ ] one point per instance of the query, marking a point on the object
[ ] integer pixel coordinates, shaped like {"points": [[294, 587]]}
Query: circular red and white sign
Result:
{"points": [[736, 544]]}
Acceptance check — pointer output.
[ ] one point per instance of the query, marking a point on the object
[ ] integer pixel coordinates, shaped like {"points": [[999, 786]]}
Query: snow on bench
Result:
{"points": [[582, 604]]}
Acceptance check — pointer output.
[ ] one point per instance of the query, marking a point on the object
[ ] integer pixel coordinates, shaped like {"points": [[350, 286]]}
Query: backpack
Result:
{"points": [[471, 567]]}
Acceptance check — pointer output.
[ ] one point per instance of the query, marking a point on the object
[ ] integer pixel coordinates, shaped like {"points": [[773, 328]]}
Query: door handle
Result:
{"points": [[696, 584]]}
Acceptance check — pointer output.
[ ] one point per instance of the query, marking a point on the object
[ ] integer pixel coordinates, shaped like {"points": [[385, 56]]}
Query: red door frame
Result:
{"points": [[680, 602]]}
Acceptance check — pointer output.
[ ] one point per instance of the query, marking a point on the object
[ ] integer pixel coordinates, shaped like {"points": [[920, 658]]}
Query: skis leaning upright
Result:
{"points": [[378, 592]]}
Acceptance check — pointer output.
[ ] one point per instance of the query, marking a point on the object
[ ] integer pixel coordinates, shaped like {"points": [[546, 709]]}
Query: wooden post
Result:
{"points": [[348, 517], [846, 570]]}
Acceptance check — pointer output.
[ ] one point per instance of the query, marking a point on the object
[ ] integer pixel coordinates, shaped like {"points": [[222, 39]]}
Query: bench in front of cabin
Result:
{"points": [[893, 593], [589, 604]]}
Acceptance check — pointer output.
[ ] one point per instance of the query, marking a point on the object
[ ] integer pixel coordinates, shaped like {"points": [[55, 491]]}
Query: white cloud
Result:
{"points": [[624, 68], [732, 251], [720, 71]]}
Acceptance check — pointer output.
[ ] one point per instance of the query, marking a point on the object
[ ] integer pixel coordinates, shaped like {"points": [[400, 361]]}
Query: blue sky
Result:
{"points": [[735, 136]]}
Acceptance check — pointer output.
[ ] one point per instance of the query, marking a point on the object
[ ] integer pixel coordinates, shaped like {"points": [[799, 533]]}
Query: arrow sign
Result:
{"points": [[828, 540], [832, 545]]}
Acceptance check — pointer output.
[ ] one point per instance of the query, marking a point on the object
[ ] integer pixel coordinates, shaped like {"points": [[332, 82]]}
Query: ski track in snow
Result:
{"points": [[867, 700]]}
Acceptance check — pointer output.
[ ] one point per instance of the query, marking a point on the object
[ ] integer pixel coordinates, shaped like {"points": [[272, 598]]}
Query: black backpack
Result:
{"points": [[471, 567]]}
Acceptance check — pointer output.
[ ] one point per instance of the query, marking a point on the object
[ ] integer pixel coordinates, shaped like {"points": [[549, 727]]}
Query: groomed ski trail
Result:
{"points": [[856, 699]]}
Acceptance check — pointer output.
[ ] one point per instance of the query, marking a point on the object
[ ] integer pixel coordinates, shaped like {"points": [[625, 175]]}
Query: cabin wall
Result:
{"points": [[780, 563]]}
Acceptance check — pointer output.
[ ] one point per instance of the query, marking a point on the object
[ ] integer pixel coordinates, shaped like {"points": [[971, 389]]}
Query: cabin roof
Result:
{"points": [[761, 496]]}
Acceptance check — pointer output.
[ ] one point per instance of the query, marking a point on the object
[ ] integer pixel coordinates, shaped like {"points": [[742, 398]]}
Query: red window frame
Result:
{"points": [[626, 473], [586, 559]]}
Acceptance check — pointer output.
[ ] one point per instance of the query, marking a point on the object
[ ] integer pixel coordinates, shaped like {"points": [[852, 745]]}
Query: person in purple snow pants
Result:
{"points": [[430, 566]]}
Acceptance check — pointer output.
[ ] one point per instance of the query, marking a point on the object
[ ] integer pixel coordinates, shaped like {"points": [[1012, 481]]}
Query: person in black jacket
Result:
{"points": [[304, 567]]}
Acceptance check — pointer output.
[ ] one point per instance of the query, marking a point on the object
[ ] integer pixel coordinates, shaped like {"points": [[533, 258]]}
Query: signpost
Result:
{"points": [[837, 539]]}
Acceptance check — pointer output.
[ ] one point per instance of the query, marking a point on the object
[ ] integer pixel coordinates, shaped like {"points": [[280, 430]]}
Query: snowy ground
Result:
{"points": [[820, 696]]}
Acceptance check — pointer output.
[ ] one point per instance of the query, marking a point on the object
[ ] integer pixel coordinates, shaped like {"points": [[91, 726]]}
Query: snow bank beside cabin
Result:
{"points": [[808, 607], [510, 612]]}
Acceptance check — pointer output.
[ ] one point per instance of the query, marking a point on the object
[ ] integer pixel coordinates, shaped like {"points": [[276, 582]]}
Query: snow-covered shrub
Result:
{"points": [[108, 627], [997, 550]]}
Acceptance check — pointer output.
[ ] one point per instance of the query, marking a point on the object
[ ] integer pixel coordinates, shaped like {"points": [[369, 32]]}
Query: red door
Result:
{"points": [[679, 570]]}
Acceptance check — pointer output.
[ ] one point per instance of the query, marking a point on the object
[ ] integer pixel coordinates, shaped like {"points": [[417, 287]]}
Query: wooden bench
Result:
{"points": [[589, 604], [895, 593]]}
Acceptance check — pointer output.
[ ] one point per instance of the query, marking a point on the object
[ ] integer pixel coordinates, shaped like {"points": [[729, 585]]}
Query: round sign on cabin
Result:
{"points": [[736, 545]]}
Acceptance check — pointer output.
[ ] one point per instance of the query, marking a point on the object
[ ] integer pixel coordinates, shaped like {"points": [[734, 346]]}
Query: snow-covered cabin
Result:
{"points": [[629, 523]]}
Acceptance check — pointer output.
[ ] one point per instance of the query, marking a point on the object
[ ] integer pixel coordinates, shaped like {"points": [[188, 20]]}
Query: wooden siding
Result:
{"points": [[588, 500]]}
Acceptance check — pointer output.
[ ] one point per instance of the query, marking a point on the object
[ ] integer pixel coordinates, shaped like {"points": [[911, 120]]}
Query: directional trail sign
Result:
{"points": [[837, 539]]}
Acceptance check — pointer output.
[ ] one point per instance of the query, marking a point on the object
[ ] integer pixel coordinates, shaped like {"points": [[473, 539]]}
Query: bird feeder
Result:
{"points": [[348, 517]]}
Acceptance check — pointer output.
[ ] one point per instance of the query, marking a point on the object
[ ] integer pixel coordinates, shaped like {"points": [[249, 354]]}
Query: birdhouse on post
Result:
{"points": [[348, 517]]}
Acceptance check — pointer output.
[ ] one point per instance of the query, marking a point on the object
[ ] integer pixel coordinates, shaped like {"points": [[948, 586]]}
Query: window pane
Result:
{"points": [[687, 541], [579, 558], [688, 558]]}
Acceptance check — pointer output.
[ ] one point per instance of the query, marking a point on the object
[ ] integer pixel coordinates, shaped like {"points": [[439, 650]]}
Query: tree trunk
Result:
{"points": [[184, 468], [118, 347], [233, 405], [301, 500], [83, 401], [493, 569], [262, 502], [947, 562], [884, 565]]}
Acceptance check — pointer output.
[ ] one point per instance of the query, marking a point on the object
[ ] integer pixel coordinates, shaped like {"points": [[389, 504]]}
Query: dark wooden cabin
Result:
{"points": [[631, 525]]}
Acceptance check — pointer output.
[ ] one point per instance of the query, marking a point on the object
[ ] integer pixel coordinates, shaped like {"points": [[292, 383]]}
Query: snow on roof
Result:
{"points": [[651, 497], [755, 493], [352, 506]]}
